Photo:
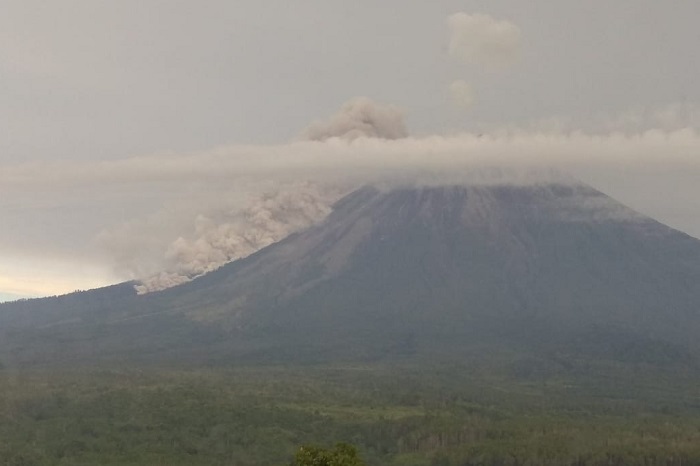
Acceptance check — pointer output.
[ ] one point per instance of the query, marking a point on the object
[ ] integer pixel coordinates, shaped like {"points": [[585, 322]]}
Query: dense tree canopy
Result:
{"points": [[342, 454]]}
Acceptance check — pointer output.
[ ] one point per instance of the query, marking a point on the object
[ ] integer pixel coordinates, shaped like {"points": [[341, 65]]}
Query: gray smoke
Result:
{"points": [[220, 237], [224, 236], [203, 221], [483, 40], [359, 117], [170, 192]]}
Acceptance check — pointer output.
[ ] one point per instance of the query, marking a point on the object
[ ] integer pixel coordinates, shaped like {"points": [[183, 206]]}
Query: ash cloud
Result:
{"points": [[357, 118], [224, 236], [224, 204], [253, 169], [482, 40]]}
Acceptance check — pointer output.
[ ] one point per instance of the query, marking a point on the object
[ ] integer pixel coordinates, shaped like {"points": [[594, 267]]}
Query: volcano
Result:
{"points": [[429, 273]]}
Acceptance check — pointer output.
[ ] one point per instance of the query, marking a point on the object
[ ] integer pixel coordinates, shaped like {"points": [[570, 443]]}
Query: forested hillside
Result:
{"points": [[457, 416]]}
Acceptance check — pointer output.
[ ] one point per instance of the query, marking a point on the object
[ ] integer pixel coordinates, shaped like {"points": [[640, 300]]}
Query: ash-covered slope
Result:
{"points": [[425, 272], [442, 266]]}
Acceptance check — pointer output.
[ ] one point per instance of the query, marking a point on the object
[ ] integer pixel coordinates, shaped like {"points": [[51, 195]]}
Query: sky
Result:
{"points": [[134, 134]]}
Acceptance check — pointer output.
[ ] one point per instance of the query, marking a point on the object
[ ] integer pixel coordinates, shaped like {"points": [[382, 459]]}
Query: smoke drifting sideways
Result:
{"points": [[183, 215], [227, 203], [222, 237], [226, 235]]}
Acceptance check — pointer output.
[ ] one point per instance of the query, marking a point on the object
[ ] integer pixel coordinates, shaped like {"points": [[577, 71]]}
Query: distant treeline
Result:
{"points": [[251, 417]]}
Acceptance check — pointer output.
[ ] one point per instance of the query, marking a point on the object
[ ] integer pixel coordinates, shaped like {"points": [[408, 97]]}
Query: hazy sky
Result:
{"points": [[93, 88]]}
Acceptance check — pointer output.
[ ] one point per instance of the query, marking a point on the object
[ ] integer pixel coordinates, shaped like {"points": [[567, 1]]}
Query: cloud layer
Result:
{"points": [[178, 214], [360, 160], [212, 207], [166, 218]]}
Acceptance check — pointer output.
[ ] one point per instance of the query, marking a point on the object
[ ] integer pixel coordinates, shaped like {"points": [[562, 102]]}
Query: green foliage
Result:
{"points": [[400, 417], [342, 454]]}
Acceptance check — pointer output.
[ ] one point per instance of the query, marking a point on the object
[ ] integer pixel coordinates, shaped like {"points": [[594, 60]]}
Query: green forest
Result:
{"points": [[446, 416]]}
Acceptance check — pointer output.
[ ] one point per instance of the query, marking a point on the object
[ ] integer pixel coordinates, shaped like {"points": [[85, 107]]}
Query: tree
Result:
{"points": [[342, 454]]}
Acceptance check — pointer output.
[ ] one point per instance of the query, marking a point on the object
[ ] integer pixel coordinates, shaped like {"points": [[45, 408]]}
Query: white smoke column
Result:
{"points": [[223, 237], [360, 117], [482, 40]]}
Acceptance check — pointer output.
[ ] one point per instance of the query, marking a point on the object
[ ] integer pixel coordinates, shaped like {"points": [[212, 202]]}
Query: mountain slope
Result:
{"points": [[418, 273]]}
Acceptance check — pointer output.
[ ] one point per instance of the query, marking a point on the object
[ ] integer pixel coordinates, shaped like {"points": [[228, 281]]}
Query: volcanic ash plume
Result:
{"points": [[483, 40], [228, 235], [360, 117], [222, 237]]}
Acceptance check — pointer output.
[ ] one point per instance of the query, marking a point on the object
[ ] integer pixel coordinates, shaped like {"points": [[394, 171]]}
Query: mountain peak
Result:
{"points": [[432, 269]]}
